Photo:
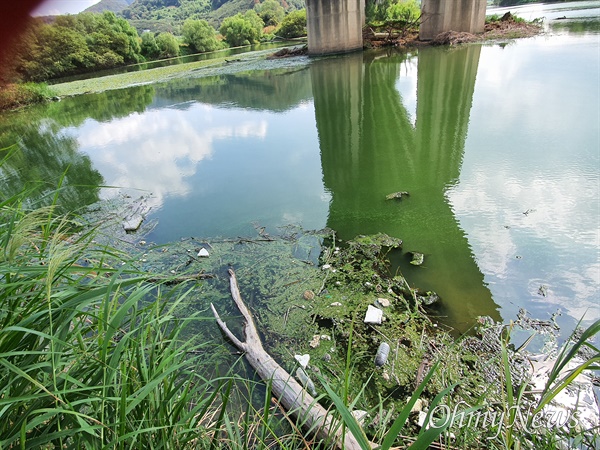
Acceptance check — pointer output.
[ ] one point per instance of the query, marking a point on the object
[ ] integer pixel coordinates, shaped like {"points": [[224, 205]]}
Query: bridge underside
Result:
{"points": [[335, 26], [438, 16]]}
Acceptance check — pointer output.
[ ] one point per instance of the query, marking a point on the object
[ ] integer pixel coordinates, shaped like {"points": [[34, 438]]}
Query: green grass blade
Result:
{"points": [[347, 417], [437, 399], [567, 353], [222, 414], [399, 423], [565, 356]]}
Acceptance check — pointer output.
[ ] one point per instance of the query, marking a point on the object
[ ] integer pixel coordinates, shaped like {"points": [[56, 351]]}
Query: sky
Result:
{"points": [[55, 7]]}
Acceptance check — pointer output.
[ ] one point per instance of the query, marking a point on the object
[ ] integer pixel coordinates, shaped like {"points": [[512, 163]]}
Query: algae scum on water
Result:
{"points": [[310, 295], [332, 307]]}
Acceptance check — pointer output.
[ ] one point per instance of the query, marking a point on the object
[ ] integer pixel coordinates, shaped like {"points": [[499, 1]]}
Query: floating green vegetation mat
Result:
{"points": [[313, 299], [219, 66], [309, 295], [108, 342]]}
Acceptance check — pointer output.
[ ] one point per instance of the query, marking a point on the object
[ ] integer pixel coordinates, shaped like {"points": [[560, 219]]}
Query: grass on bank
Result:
{"points": [[16, 95], [86, 360], [493, 18]]}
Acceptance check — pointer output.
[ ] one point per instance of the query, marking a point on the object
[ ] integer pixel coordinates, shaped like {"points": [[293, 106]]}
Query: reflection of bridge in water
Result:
{"points": [[369, 148]]}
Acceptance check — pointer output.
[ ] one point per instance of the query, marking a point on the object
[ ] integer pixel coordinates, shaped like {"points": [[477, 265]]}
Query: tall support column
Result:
{"points": [[334, 26], [438, 16]]}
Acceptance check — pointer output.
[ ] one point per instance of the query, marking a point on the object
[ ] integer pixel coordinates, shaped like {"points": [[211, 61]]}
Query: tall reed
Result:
{"points": [[90, 355]]}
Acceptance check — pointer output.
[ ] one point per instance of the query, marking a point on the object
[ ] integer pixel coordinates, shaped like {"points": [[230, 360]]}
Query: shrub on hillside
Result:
{"points": [[149, 46], [294, 25], [200, 36], [270, 11], [242, 29], [405, 11], [168, 45]]}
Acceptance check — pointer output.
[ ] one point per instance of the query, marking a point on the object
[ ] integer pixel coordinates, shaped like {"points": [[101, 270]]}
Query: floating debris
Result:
{"points": [[372, 246], [309, 295], [374, 315], [419, 406], [421, 418], [203, 253], [430, 298], [397, 195], [541, 326], [417, 258], [383, 302], [382, 354], [453, 38], [306, 381], [132, 223], [302, 360], [288, 52], [135, 214], [316, 341]]}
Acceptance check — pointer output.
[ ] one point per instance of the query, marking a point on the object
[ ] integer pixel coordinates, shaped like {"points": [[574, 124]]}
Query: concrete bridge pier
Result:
{"points": [[334, 26], [438, 16]]}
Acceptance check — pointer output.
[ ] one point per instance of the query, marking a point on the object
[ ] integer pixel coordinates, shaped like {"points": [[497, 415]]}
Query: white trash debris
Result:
{"points": [[373, 315]]}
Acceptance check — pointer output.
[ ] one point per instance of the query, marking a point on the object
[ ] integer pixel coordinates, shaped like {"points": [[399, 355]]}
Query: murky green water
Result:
{"points": [[498, 146]]}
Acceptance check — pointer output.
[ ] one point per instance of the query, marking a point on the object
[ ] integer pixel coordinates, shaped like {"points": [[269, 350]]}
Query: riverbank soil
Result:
{"points": [[505, 27]]}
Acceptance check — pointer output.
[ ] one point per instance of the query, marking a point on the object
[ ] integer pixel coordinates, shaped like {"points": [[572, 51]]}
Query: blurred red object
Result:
{"points": [[13, 19]]}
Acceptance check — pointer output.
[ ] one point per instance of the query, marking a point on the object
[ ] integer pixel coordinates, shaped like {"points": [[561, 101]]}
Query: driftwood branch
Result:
{"points": [[289, 393]]}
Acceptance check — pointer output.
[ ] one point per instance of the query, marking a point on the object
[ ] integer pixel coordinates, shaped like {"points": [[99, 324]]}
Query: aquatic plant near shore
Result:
{"points": [[17, 95]]}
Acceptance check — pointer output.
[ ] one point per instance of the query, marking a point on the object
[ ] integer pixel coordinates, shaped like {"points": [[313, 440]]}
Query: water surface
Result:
{"points": [[497, 144]]}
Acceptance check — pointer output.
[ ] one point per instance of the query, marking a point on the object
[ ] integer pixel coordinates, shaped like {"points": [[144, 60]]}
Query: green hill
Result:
{"points": [[168, 15], [109, 5]]}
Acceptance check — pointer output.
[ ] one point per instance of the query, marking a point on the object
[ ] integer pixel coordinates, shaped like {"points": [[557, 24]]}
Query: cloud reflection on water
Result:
{"points": [[159, 150], [528, 192]]}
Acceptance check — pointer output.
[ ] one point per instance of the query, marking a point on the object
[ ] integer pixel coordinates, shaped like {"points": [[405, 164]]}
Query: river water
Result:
{"points": [[497, 144]]}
